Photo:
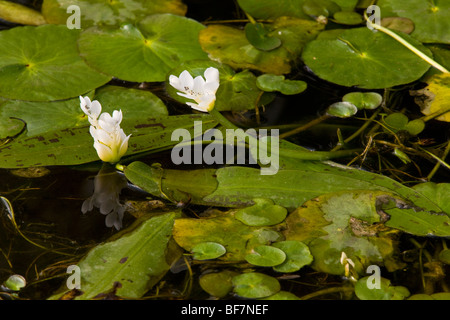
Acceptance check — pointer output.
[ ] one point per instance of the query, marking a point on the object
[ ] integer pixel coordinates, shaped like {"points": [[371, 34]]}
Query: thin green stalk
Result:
{"points": [[406, 44], [438, 165]]}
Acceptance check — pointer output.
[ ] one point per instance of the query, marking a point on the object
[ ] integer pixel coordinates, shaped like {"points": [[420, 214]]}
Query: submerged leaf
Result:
{"points": [[136, 259], [255, 285]]}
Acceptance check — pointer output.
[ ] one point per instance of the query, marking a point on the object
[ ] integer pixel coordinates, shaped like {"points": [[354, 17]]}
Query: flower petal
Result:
{"points": [[186, 81], [212, 75]]}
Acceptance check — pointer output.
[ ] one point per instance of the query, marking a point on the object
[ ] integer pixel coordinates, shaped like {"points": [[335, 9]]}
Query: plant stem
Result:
{"points": [[438, 165], [327, 291], [305, 126], [407, 45]]}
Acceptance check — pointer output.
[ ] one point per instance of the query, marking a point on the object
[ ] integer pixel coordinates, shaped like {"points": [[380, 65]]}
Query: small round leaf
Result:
{"points": [[396, 121], [257, 35], [297, 255], [15, 282], [342, 109], [255, 285], [208, 250], [266, 256], [217, 284], [348, 17], [272, 82], [416, 126], [364, 100]]}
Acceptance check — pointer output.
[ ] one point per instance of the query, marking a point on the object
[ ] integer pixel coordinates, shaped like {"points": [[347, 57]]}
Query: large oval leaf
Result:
{"points": [[366, 59], [145, 52], [136, 260], [42, 64], [101, 12]]}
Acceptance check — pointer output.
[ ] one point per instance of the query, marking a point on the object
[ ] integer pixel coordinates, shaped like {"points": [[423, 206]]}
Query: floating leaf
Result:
{"points": [[17, 13], [398, 121], [263, 213], [272, 82], [73, 146], [271, 9], [137, 258], [100, 12], [364, 53], [254, 285], [348, 18], [430, 17], [145, 52], [364, 100], [238, 238], [342, 109], [297, 255], [207, 250], [43, 117], [316, 8], [230, 46], [45, 75], [265, 256], [416, 126], [386, 291], [217, 284], [434, 99], [258, 36], [237, 91]]}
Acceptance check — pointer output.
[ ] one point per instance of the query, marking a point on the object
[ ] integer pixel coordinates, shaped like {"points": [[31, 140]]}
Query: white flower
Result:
{"points": [[346, 262], [202, 91], [110, 141]]}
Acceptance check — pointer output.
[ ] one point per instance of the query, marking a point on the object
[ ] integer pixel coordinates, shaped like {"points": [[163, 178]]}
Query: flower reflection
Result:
{"points": [[107, 186]]}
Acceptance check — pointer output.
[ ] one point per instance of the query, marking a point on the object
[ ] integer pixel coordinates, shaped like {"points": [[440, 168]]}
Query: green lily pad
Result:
{"points": [[263, 213], [357, 57], [71, 146], [272, 82], [258, 35], [385, 292], [416, 126], [217, 284], [348, 18], [145, 52], [230, 45], [342, 109], [266, 256], [254, 285], [430, 17], [271, 9], [207, 250], [33, 64], [364, 100], [237, 91], [100, 12], [316, 8], [297, 256]]}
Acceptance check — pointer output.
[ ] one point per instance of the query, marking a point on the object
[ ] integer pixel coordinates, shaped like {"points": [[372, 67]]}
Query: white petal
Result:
{"points": [[199, 84], [186, 80], [103, 152], [96, 108], [196, 107], [175, 82], [211, 87], [117, 116], [189, 96], [212, 75]]}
